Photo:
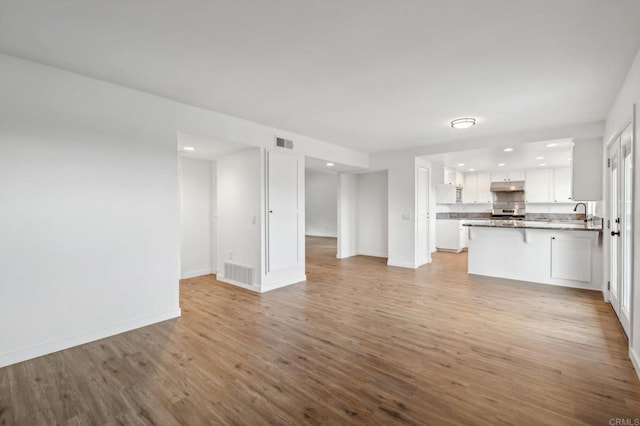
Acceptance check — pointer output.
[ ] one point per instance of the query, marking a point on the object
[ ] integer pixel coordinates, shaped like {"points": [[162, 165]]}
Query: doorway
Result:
{"points": [[620, 220]]}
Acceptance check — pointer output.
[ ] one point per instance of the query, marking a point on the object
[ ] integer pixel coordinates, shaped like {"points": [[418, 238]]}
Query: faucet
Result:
{"points": [[575, 209]]}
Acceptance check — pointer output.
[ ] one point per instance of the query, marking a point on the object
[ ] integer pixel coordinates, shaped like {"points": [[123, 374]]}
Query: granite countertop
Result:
{"points": [[567, 225]]}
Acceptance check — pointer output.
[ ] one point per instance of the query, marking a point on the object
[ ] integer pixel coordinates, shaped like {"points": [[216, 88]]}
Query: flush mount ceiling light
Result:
{"points": [[539, 158], [543, 164], [551, 145], [508, 149], [463, 123], [460, 164], [330, 164], [189, 148], [501, 164]]}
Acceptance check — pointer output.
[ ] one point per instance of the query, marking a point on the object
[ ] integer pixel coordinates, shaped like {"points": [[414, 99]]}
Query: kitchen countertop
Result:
{"points": [[570, 225]]}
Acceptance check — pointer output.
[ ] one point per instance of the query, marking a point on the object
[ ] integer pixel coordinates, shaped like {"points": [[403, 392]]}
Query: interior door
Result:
{"points": [[422, 216], [282, 212], [620, 161]]}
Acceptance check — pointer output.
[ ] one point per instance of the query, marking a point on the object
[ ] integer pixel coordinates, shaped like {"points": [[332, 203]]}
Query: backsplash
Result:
{"points": [[528, 216]]}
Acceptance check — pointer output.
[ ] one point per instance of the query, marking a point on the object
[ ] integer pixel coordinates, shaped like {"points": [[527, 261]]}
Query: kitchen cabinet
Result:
{"points": [[446, 193], [450, 235], [586, 182], [453, 177], [562, 185], [571, 258], [476, 188], [538, 185], [506, 176]]}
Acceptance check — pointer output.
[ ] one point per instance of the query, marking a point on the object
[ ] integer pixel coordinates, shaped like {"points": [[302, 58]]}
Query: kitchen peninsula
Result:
{"points": [[564, 253]]}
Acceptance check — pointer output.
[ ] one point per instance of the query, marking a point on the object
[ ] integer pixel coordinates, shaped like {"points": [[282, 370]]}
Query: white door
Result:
{"points": [[620, 160], [422, 216], [282, 211]]}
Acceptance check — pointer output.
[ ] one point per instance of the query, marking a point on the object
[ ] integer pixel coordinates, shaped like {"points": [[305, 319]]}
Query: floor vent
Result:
{"points": [[238, 273]]}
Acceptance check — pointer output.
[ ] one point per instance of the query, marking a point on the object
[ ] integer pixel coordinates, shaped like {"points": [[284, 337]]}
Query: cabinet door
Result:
{"points": [[571, 258], [515, 175], [562, 185], [470, 189], [483, 188], [447, 234], [498, 176], [459, 179], [538, 185], [449, 176]]}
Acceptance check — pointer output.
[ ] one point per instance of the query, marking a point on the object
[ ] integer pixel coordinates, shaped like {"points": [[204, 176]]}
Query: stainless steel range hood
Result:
{"points": [[514, 186]]}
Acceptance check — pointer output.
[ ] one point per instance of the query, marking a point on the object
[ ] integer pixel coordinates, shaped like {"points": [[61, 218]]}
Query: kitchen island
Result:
{"points": [[564, 253]]}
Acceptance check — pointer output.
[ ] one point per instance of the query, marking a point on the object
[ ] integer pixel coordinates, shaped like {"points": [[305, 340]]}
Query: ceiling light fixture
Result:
{"points": [[508, 149], [551, 145], [543, 164], [460, 164], [330, 164], [539, 158], [189, 148], [472, 170], [501, 164], [463, 123]]}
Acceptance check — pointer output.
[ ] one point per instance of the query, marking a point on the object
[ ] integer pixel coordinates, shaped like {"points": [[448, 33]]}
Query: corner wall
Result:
{"points": [[89, 218], [321, 204]]}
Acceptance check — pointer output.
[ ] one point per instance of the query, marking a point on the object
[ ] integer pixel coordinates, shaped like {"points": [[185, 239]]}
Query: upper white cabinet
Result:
{"points": [[506, 176], [476, 188], [587, 170], [562, 185], [538, 185], [453, 177]]}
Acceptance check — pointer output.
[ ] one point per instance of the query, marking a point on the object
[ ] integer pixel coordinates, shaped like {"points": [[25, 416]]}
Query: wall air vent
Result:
{"points": [[238, 273], [284, 143]]}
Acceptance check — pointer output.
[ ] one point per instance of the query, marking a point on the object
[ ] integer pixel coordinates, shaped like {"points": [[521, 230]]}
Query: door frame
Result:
{"points": [[630, 121]]}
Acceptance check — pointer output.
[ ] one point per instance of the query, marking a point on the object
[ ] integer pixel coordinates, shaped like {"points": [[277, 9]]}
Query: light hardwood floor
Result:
{"points": [[359, 342]]}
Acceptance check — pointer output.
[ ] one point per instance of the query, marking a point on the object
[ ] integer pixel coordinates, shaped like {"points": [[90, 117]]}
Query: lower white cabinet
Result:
{"points": [[571, 258], [450, 235]]}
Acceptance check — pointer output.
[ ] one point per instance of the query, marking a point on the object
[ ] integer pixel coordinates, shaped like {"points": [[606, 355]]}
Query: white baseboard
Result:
{"points": [[221, 277], [320, 234], [199, 273], [284, 283], [347, 254], [401, 264], [80, 339], [372, 253], [635, 360]]}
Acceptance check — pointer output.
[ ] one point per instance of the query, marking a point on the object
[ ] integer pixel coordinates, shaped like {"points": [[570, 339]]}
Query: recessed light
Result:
{"points": [[543, 164], [460, 164], [189, 148], [330, 164], [463, 123], [508, 149], [551, 145], [501, 164], [539, 158], [472, 170]]}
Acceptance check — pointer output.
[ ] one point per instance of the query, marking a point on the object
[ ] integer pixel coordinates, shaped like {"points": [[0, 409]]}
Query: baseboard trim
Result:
{"points": [[347, 254], [221, 278], [57, 345], [280, 284], [321, 235], [635, 360], [401, 264], [199, 273], [372, 253]]}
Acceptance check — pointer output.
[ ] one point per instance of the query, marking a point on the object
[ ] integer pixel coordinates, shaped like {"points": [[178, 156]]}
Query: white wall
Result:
{"points": [[372, 214], [197, 200], [321, 201], [239, 194], [621, 111], [347, 215], [89, 218]]}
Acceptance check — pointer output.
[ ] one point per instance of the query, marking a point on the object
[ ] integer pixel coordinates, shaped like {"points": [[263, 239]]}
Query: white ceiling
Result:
{"points": [[523, 156], [319, 165], [368, 74]]}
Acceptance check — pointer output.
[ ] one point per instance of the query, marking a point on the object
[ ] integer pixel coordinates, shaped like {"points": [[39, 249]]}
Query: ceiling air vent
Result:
{"points": [[284, 143]]}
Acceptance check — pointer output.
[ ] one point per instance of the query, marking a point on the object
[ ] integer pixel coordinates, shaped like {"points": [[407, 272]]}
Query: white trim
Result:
{"points": [[372, 253], [287, 282], [199, 273], [401, 264], [221, 278], [319, 234], [347, 254], [82, 338], [635, 360]]}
